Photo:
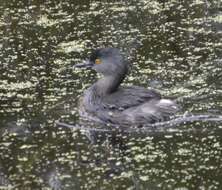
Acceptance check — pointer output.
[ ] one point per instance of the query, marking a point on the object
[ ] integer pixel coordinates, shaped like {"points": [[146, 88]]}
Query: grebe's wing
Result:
{"points": [[126, 97]]}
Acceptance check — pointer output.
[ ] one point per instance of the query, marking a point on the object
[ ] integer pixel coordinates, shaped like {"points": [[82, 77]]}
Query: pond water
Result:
{"points": [[174, 47]]}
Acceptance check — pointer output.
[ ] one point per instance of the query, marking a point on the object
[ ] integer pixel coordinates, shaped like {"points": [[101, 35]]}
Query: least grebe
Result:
{"points": [[110, 102]]}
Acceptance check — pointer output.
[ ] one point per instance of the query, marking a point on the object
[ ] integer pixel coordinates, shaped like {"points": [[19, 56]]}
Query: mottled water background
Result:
{"points": [[174, 47]]}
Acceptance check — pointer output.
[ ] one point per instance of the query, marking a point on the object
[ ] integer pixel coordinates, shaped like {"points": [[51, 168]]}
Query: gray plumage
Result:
{"points": [[110, 102]]}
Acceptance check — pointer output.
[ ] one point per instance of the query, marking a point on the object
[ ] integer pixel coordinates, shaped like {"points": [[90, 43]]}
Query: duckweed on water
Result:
{"points": [[175, 45]]}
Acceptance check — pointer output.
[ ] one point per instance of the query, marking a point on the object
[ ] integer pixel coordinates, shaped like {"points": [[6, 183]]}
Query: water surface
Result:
{"points": [[173, 46]]}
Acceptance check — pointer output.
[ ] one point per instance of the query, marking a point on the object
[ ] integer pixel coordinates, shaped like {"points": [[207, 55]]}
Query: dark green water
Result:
{"points": [[179, 55]]}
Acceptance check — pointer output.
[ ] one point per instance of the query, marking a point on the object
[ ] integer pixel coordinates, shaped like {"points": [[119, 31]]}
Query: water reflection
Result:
{"points": [[180, 48]]}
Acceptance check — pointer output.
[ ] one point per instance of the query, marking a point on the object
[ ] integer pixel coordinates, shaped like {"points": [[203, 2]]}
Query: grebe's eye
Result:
{"points": [[98, 61]]}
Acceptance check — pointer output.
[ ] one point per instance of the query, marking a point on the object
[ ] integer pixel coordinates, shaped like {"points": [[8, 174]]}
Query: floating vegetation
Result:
{"points": [[73, 46], [173, 46]]}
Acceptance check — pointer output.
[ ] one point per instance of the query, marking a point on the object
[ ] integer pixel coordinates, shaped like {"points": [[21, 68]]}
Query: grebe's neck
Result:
{"points": [[107, 85]]}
